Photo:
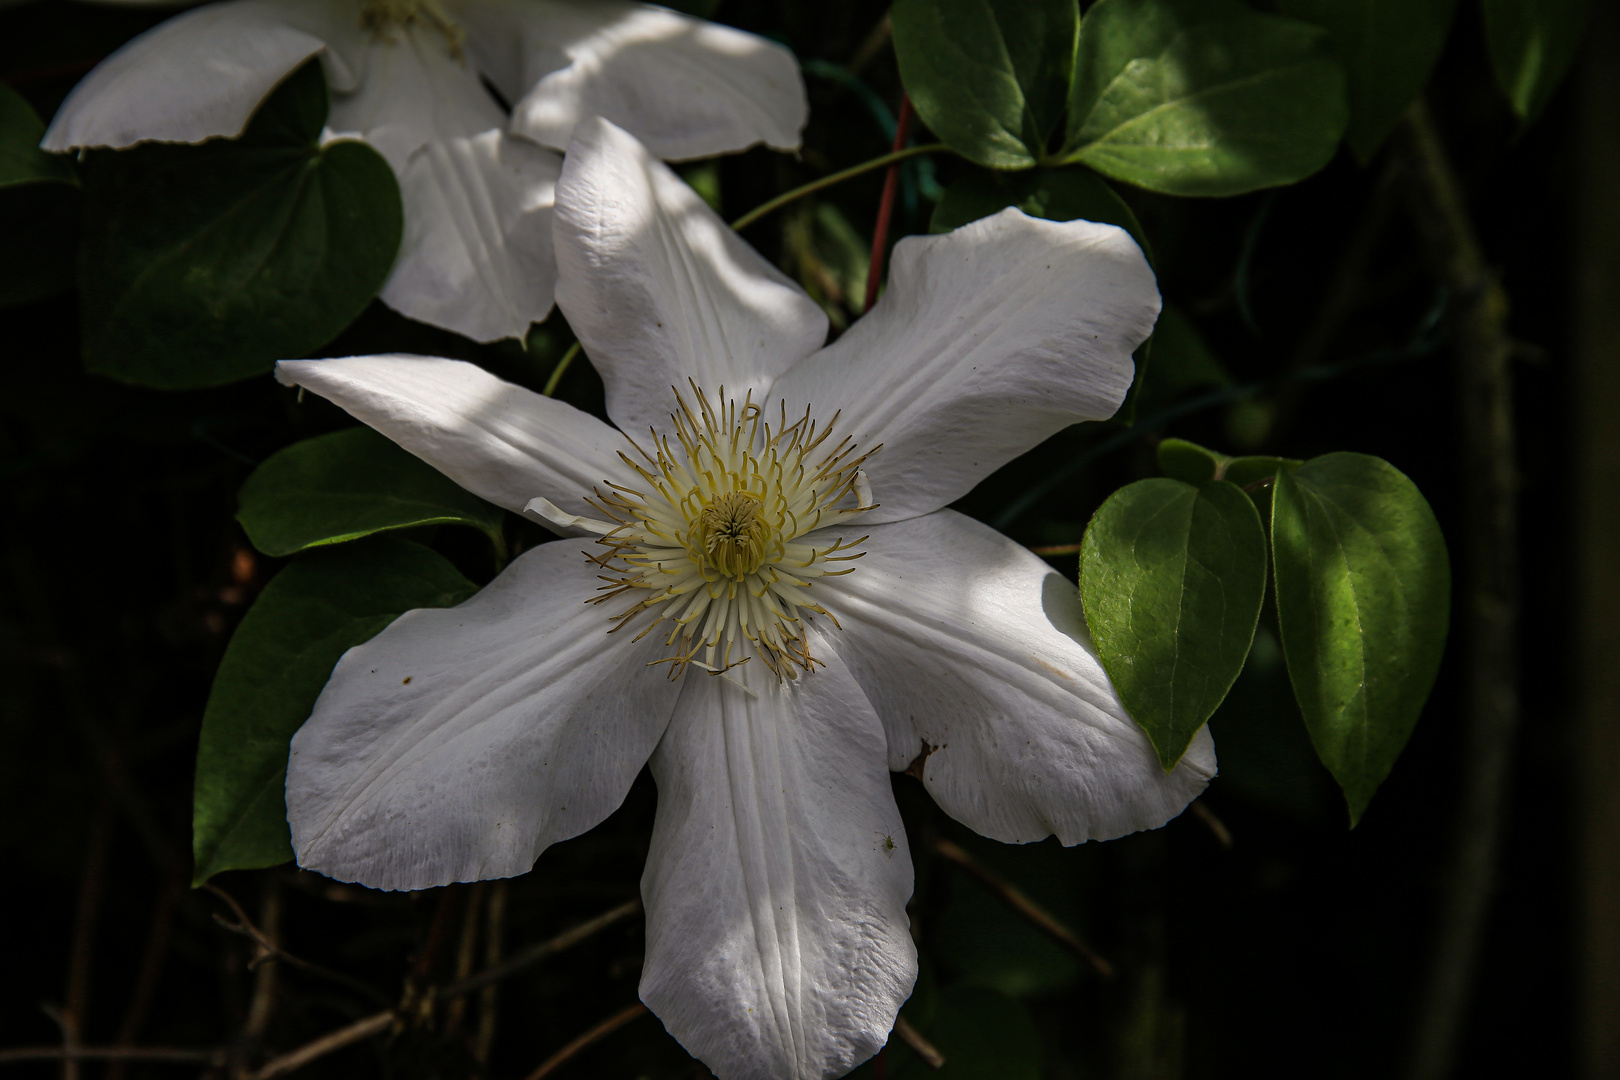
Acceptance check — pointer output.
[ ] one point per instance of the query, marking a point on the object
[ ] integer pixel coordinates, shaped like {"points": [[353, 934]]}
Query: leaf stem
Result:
{"points": [[561, 369], [837, 178], [891, 180]]}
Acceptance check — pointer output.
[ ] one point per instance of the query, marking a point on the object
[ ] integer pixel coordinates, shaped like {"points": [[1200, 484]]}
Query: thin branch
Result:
{"points": [[268, 949], [326, 1044], [154, 1054], [92, 883], [489, 997], [1217, 827], [837, 178], [1488, 597], [146, 983], [380, 1022], [594, 1035], [535, 953], [920, 1046], [1014, 898]]}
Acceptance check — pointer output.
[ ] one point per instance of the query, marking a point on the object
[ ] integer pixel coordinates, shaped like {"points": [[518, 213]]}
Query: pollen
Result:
{"points": [[384, 17], [708, 546]]}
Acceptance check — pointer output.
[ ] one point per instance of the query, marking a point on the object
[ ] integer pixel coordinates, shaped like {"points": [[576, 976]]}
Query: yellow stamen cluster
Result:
{"points": [[383, 17], [706, 541]]}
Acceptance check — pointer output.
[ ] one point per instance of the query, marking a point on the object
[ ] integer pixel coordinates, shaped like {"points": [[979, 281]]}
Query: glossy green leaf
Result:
{"points": [[988, 76], [1388, 48], [1363, 595], [309, 615], [1172, 576], [21, 159], [1253, 474], [1066, 194], [1188, 462], [202, 265], [1532, 44], [350, 484], [1203, 97]]}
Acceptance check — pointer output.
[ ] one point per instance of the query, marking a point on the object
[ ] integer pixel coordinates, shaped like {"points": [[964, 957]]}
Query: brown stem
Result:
{"points": [[927, 1051], [464, 951], [146, 983], [891, 181], [375, 1024], [1488, 601], [265, 967], [1014, 898], [489, 997], [594, 1035], [155, 1054], [268, 948], [92, 882]]}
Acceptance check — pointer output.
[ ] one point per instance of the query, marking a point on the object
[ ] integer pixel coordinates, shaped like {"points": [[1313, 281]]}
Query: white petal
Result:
{"points": [[988, 340], [499, 441], [476, 257], [685, 87], [415, 91], [660, 290], [459, 743], [197, 76], [974, 650], [777, 941]]}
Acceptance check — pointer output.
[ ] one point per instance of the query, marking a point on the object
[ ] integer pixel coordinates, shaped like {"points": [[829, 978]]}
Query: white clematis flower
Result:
{"points": [[749, 621], [406, 76]]}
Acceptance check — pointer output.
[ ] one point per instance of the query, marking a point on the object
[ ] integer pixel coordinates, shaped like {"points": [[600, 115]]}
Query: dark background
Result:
{"points": [[1300, 949]]}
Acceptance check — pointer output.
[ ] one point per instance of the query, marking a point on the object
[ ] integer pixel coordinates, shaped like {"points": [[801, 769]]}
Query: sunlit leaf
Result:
{"points": [[309, 615], [350, 484], [988, 76], [1203, 97], [1363, 595], [1172, 576]]}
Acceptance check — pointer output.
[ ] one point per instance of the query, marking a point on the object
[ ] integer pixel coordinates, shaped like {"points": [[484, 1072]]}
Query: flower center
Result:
{"points": [[711, 539], [385, 17]]}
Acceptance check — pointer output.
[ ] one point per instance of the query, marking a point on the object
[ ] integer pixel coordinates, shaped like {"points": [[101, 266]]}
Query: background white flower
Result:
{"points": [[459, 743], [405, 76]]}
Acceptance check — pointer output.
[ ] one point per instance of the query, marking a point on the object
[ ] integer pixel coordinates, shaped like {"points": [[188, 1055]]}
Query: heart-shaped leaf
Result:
{"points": [[1203, 97], [202, 265], [309, 615], [1172, 576], [988, 76], [1363, 602], [349, 484]]}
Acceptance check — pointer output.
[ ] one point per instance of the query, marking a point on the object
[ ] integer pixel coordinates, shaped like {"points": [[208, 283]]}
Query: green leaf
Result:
{"points": [[309, 615], [1248, 474], [1203, 97], [350, 484], [1188, 462], [202, 265], [1363, 595], [1172, 576], [1532, 43], [21, 159], [1065, 194], [988, 76], [1388, 48]]}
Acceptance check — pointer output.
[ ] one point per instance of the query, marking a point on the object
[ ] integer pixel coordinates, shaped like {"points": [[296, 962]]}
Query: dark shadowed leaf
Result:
{"points": [[1203, 97], [1172, 576], [347, 485], [309, 615], [21, 159], [988, 76], [1363, 594], [39, 208], [1187, 461], [202, 265], [1532, 43], [1388, 48], [1065, 194]]}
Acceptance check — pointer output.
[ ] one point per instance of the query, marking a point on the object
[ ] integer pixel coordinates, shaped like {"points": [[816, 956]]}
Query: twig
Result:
{"points": [[875, 42], [1217, 827], [380, 1022], [1489, 598], [489, 997], [837, 178], [535, 953], [146, 983], [375, 1024], [264, 967], [155, 1054], [81, 953], [1029, 909], [595, 1034], [891, 181], [920, 1046], [464, 950], [1058, 549], [269, 949], [561, 369]]}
